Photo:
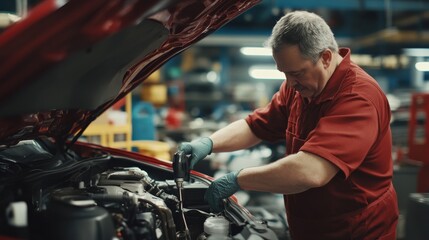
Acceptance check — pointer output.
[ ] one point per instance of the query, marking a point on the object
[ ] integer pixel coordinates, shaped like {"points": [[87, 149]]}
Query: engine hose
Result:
{"points": [[167, 221]]}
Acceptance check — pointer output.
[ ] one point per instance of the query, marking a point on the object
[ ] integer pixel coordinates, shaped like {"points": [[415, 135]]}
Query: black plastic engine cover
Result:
{"points": [[74, 220]]}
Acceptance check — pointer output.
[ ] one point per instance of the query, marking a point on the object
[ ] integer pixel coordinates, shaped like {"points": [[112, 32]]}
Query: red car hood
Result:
{"points": [[63, 65]]}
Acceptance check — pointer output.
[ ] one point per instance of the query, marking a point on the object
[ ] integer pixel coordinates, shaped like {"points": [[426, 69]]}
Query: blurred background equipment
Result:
{"points": [[230, 73]]}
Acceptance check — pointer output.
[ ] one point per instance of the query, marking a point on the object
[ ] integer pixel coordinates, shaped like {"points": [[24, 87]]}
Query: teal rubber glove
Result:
{"points": [[198, 149], [221, 188]]}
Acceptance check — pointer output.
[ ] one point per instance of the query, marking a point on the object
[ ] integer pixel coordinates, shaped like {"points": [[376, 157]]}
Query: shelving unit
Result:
{"points": [[120, 136], [110, 135]]}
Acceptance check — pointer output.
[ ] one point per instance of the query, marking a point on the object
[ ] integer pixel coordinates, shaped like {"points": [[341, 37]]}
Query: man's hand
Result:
{"points": [[220, 189], [198, 149]]}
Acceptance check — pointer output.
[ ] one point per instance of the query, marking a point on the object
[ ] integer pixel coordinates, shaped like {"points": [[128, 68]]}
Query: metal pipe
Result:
{"points": [[388, 13], [21, 8]]}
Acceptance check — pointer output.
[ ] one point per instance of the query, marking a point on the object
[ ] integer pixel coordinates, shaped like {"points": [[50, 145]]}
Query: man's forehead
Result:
{"points": [[290, 62]]}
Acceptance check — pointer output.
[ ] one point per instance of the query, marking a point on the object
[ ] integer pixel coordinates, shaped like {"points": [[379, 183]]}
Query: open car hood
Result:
{"points": [[68, 61]]}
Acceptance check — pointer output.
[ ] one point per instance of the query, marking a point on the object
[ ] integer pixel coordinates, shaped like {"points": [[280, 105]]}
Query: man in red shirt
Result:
{"points": [[337, 175]]}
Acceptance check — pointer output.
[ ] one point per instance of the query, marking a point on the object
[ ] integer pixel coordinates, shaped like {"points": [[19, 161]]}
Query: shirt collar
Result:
{"points": [[334, 83]]}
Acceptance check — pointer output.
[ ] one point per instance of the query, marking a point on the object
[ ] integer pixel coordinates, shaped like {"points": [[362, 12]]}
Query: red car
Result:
{"points": [[63, 65]]}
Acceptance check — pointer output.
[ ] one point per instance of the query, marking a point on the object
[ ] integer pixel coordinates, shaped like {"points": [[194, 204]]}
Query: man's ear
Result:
{"points": [[326, 57]]}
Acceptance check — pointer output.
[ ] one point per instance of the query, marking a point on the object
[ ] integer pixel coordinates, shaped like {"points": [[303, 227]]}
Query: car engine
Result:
{"points": [[123, 202], [105, 197]]}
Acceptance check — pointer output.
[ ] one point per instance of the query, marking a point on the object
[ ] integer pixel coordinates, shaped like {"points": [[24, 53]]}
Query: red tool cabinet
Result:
{"points": [[418, 137]]}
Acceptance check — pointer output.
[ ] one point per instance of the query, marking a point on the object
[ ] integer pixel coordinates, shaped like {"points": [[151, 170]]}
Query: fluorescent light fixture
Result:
{"points": [[263, 72], [212, 76], [416, 52], [422, 66], [394, 102], [256, 51]]}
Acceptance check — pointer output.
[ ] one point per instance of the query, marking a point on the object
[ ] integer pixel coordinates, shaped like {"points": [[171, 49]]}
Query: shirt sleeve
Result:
{"points": [[345, 135], [270, 122]]}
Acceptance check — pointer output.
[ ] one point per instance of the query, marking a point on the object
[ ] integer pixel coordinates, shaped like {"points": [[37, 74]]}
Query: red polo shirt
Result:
{"points": [[348, 124]]}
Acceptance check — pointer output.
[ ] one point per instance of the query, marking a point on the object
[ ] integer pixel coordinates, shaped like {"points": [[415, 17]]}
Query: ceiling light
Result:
{"points": [[422, 66], [256, 51], [212, 76], [416, 52], [260, 72]]}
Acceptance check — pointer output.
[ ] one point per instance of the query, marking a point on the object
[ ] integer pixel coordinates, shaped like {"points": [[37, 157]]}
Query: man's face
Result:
{"points": [[302, 74]]}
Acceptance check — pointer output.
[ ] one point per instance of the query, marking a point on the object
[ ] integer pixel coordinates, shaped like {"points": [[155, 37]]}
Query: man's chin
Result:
{"points": [[302, 92]]}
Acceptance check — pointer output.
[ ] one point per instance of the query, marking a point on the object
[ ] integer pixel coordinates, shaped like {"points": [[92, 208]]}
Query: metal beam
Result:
{"points": [[392, 36], [380, 5], [247, 40], [412, 20]]}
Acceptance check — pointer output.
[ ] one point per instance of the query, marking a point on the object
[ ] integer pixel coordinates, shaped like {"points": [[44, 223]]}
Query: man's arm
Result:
{"points": [[235, 136], [293, 174]]}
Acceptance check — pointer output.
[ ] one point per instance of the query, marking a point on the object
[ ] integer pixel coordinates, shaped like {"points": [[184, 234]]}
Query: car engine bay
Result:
{"points": [[91, 194]]}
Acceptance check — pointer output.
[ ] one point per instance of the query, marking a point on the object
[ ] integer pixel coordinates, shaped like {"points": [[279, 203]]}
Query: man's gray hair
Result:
{"points": [[307, 30]]}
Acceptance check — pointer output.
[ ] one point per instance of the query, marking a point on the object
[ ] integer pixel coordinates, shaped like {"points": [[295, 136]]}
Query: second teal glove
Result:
{"points": [[198, 149], [221, 188]]}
